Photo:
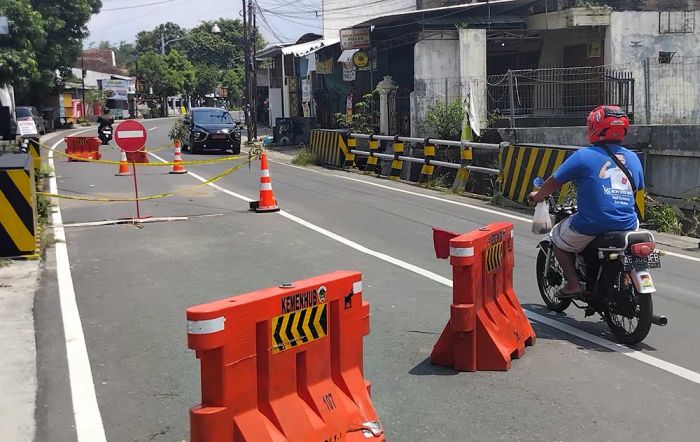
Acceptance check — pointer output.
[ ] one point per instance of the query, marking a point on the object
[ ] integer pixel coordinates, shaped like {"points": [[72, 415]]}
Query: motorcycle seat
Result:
{"points": [[620, 239]]}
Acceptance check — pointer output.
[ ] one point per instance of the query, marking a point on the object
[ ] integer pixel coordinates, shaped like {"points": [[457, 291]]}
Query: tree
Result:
{"points": [[208, 78], [124, 53], [151, 40], [224, 49], [233, 81], [180, 76], [18, 64], [46, 38], [150, 69]]}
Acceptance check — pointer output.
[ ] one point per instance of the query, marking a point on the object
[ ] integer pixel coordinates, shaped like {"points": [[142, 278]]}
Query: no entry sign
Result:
{"points": [[130, 136]]}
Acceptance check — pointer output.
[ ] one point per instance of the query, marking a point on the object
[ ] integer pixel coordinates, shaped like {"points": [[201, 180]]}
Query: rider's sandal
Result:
{"points": [[564, 295]]}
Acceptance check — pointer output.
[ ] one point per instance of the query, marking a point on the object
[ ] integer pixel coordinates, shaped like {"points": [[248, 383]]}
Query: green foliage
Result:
{"points": [[178, 131], [208, 78], [147, 41], [233, 80], [444, 121], [45, 38], [363, 116], [304, 158], [124, 53], [663, 217], [180, 74], [93, 96]]}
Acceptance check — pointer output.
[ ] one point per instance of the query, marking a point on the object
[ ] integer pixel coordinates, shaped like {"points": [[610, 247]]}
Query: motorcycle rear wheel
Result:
{"points": [[550, 284], [626, 330]]}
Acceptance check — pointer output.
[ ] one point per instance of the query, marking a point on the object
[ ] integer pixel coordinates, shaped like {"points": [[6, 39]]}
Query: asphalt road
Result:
{"points": [[132, 286]]}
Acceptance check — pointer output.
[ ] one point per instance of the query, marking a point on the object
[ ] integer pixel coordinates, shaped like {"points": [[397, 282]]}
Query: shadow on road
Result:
{"points": [[594, 325], [425, 368]]}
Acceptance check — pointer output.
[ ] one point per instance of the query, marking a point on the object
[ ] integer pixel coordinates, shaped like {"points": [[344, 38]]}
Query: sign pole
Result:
{"points": [[136, 191]]}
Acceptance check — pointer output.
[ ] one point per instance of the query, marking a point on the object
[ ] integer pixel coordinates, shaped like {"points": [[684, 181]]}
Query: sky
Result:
{"points": [[121, 20]]}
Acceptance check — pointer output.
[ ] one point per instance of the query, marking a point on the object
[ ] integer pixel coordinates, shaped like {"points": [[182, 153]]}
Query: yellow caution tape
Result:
{"points": [[159, 164], [108, 199]]}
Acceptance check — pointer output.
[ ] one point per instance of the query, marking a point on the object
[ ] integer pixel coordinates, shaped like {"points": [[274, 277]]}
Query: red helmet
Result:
{"points": [[607, 123]]}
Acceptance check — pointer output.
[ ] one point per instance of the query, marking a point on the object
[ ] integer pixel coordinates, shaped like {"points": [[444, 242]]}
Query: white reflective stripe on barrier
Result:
{"points": [[205, 326], [357, 287], [265, 186], [265, 172], [512, 233], [461, 252]]}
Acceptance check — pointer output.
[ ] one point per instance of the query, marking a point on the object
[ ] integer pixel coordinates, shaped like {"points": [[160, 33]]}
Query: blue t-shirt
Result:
{"points": [[603, 192]]}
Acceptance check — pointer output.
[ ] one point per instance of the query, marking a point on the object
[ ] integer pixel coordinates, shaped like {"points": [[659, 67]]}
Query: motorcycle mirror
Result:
{"points": [[538, 182]]}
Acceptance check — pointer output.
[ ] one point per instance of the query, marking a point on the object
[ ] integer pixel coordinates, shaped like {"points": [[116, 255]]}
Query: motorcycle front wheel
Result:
{"points": [[551, 280], [632, 331]]}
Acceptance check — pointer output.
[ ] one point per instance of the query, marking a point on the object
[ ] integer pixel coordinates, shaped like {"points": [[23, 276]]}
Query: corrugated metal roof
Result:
{"points": [[303, 49]]}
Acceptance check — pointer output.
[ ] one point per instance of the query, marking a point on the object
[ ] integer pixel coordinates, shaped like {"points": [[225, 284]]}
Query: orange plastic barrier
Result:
{"points": [[140, 156], [487, 326], [284, 364], [83, 147]]}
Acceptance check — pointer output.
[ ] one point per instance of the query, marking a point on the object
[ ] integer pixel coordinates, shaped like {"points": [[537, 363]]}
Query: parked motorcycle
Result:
{"points": [[104, 133], [614, 274]]}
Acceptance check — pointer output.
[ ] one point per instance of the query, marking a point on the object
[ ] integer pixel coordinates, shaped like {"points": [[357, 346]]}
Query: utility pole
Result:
{"points": [[246, 73], [254, 85]]}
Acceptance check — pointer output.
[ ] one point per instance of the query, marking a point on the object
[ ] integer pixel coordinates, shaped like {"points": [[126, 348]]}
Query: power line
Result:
{"points": [[121, 8]]}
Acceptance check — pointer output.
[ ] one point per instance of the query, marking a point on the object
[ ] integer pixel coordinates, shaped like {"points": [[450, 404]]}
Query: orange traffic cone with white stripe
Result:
{"points": [[267, 202], [123, 165], [177, 163]]}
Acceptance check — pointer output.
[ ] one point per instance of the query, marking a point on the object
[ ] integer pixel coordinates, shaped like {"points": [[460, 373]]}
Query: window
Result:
{"points": [[24, 112], [212, 117], [666, 57], [676, 22]]}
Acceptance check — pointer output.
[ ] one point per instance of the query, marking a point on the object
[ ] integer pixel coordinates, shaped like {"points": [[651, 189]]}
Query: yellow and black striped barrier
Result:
{"points": [[520, 165], [371, 164], [466, 157], [325, 147], [18, 220], [428, 169], [397, 164], [34, 148]]}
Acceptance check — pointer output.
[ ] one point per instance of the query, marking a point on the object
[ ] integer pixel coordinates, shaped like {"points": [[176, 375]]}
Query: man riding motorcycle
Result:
{"points": [[103, 121], [606, 176]]}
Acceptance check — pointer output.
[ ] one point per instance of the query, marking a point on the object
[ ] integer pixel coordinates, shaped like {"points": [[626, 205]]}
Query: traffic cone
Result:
{"points": [[123, 165], [177, 163], [267, 202]]}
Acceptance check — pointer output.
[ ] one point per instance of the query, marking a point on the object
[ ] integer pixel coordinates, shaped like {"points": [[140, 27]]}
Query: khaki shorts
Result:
{"points": [[568, 239]]}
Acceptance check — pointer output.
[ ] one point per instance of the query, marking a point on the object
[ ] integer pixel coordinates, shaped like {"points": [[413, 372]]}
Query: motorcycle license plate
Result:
{"points": [[652, 261]]}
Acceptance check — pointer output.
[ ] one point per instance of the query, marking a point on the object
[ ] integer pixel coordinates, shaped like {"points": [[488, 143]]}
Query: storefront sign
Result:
{"points": [[348, 71], [348, 108], [360, 59], [115, 89], [305, 90], [354, 38]]}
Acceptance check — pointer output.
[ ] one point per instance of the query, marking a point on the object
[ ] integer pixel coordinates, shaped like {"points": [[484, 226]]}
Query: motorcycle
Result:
{"points": [[104, 133], [614, 274]]}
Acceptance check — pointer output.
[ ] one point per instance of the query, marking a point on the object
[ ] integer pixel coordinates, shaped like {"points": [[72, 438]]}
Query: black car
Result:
{"points": [[210, 128]]}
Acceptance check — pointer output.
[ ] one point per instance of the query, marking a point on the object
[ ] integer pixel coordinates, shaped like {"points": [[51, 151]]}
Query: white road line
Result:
{"points": [[626, 351], [456, 203], [153, 128], [86, 410]]}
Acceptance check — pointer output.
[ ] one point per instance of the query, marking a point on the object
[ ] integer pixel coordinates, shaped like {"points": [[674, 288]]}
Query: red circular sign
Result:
{"points": [[130, 136]]}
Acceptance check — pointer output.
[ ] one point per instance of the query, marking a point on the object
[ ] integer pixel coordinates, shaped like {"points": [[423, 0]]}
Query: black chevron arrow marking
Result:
{"points": [[300, 326], [278, 339], [312, 321], [288, 331], [324, 323]]}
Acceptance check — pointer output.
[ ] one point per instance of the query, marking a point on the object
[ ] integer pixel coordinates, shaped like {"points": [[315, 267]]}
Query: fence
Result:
{"points": [[559, 92], [671, 93]]}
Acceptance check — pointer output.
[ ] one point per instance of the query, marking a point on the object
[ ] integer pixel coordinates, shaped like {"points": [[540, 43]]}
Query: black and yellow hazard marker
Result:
{"points": [[371, 164], [326, 147], [18, 226], [466, 157], [494, 257], [520, 165], [397, 164], [299, 327], [428, 169], [349, 156], [34, 148]]}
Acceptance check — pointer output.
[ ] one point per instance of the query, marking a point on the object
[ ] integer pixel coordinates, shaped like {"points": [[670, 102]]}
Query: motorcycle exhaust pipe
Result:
{"points": [[659, 320]]}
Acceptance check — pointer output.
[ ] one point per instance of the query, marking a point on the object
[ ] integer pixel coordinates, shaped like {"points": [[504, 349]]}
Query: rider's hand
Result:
{"points": [[535, 197]]}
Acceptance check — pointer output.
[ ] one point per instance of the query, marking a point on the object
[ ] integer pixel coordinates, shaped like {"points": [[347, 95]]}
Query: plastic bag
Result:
{"points": [[541, 222]]}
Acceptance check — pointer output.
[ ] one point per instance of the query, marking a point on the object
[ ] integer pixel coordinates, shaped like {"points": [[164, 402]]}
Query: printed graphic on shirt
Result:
{"points": [[619, 187]]}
